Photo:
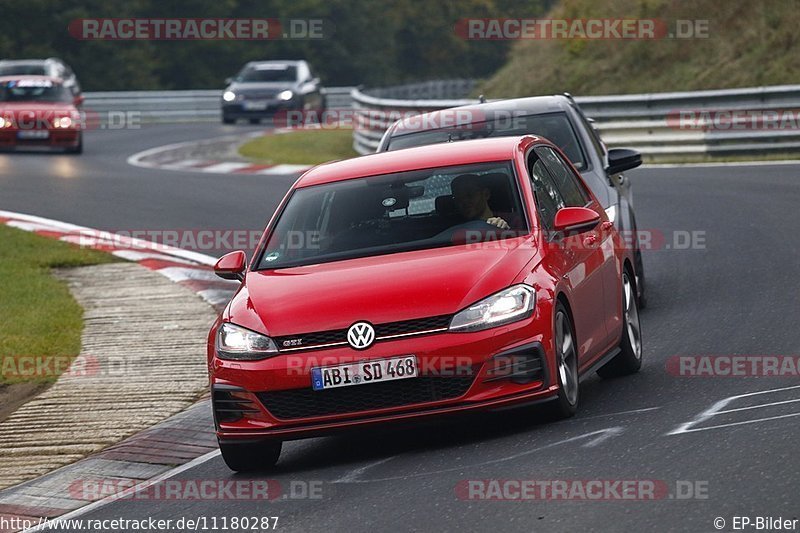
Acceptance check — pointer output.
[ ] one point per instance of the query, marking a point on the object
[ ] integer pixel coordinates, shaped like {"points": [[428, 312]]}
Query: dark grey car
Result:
{"points": [[559, 119], [264, 89]]}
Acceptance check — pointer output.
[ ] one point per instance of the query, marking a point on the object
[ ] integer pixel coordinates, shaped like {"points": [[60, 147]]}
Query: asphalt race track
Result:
{"points": [[735, 292]]}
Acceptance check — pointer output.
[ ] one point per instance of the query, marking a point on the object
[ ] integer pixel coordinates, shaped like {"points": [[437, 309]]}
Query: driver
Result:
{"points": [[472, 200]]}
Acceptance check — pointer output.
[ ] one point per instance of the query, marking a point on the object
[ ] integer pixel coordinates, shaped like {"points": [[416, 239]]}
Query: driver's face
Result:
{"points": [[471, 200]]}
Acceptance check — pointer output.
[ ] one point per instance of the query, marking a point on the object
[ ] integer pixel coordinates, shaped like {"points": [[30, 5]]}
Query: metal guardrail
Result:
{"points": [[179, 106], [647, 122]]}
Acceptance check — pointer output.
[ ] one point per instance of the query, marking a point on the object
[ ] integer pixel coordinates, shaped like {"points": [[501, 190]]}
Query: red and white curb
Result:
{"points": [[159, 158], [190, 269]]}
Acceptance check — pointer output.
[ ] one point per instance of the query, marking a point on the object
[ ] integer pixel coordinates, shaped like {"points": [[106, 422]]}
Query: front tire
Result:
{"points": [[566, 350], [251, 456], [629, 359]]}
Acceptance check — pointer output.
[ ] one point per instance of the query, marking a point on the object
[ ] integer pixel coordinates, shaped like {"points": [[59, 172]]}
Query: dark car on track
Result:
{"points": [[557, 118], [427, 282], [265, 89]]}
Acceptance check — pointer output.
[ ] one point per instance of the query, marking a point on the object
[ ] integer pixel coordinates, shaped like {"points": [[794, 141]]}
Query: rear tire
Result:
{"points": [[251, 456], [629, 359], [228, 120], [255, 121], [566, 350]]}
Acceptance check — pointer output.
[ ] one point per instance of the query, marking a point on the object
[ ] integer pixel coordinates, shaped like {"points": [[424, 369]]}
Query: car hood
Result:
{"points": [[17, 107], [377, 289]]}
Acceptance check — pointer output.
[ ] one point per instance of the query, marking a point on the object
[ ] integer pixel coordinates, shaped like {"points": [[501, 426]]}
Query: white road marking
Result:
{"points": [[225, 168], [598, 433], [620, 413], [609, 434], [739, 423], [353, 475], [758, 406], [131, 490], [716, 408], [284, 169], [183, 164], [185, 274]]}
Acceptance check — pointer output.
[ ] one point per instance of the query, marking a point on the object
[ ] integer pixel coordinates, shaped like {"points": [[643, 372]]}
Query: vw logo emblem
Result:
{"points": [[361, 335]]}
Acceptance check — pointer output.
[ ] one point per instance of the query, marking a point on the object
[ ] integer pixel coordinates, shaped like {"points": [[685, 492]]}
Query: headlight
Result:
{"points": [[285, 95], [63, 122], [509, 305], [229, 96], [234, 342], [611, 213], [2, 122]]}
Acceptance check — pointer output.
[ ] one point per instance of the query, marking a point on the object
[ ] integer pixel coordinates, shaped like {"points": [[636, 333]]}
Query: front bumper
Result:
{"points": [[458, 372], [57, 138], [235, 110]]}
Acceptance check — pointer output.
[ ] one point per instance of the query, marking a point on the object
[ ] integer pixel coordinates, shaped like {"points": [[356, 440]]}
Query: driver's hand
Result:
{"points": [[499, 222]]}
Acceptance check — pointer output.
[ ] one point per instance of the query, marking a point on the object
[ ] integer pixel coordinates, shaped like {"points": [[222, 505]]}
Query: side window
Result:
{"points": [[568, 184], [548, 198]]}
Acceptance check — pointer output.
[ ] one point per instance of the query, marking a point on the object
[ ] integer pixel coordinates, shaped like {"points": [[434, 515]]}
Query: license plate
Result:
{"points": [[254, 106], [33, 134], [364, 372]]}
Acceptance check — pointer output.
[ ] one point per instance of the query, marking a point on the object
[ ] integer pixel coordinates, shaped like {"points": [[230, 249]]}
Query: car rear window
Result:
{"points": [[394, 213], [554, 126]]}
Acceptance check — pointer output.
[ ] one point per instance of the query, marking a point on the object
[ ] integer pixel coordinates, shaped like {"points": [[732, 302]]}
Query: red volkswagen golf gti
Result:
{"points": [[419, 283]]}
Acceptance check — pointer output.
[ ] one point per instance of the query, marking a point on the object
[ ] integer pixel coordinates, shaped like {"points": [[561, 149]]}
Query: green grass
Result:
{"points": [[39, 316], [749, 44], [301, 147]]}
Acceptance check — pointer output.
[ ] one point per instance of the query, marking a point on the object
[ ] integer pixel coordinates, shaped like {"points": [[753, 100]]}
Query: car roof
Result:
{"points": [[531, 105], [431, 156], [25, 61], [56, 81], [289, 62]]}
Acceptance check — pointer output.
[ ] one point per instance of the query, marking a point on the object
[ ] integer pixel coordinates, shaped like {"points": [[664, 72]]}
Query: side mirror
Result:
{"points": [[622, 159], [231, 266], [575, 220], [78, 100], [228, 81]]}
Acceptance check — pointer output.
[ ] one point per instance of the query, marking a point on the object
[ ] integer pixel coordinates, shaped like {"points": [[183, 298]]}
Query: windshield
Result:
{"points": [[268, 73], [22, 69], [396, 212], [553, 126], [34, 91]]}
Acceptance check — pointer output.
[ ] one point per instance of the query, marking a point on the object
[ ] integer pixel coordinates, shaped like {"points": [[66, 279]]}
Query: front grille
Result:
{"points": [[306, 403], [403, 327]]}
